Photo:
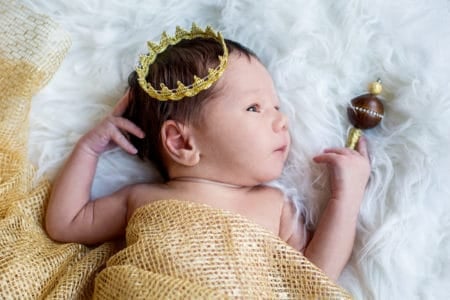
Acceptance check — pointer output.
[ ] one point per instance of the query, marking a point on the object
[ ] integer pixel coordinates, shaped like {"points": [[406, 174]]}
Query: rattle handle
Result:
{"points": [[353, 137]]}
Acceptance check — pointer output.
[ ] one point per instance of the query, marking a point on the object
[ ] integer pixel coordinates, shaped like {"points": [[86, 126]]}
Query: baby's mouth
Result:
{"points": [[281, 149]]}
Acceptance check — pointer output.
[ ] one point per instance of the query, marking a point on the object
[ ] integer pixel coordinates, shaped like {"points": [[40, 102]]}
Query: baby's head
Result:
{"points": [[191, 136]]}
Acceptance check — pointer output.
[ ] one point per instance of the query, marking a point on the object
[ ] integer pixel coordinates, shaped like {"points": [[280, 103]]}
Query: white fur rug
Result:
{"points": [[321, 54]]}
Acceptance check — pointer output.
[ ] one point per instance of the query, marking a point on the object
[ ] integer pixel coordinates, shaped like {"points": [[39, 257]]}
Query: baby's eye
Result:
{"points": [[253, 108], [277, 107]]}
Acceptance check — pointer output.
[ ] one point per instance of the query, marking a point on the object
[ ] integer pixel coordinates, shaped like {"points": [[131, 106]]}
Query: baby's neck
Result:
{"points": [[199, 180]]}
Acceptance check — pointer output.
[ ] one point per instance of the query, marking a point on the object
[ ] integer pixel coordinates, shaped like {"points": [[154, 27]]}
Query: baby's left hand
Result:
{"points": [[349, 169], [110, 132]]}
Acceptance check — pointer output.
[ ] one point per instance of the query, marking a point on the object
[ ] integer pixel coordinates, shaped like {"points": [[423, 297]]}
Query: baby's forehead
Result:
{"points": [[245, 76]]}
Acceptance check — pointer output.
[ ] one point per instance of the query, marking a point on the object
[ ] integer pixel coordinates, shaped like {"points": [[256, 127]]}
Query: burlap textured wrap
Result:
{"points": [[188, 250], [31, 265], [175, 249]]}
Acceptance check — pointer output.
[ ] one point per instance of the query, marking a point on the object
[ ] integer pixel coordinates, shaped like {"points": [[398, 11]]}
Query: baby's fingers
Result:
{"points": [[123, 125], [128, 126], [361, 147], [341, 151], [120, 140], [327, 158]]}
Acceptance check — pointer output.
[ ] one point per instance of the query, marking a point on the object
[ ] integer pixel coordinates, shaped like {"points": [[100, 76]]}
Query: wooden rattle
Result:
{"points": [[364, 112]]}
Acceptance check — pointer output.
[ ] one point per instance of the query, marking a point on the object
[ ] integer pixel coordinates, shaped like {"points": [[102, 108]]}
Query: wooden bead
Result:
{"points": [[365, 111]]}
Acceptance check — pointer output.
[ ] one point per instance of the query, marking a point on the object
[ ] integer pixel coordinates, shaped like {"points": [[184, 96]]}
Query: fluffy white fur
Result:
{"points": [[321, 54]]}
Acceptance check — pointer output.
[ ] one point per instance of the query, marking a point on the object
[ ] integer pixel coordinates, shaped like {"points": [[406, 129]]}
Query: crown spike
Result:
{"points": [[152, 47], [180, 32], [164, 35], [210, 30], [164, 38], [165, 90], [180, 85], [196, 79], [196, 29]]}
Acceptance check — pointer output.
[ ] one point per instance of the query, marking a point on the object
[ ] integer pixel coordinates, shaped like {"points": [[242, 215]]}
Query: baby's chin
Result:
{"points": [[261, 179]]}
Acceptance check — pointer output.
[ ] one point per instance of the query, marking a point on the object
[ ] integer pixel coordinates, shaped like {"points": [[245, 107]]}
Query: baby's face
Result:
{"points": [[244, 136]]}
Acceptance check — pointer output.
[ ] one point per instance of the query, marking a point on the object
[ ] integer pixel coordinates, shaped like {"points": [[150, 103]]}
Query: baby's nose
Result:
{"points": [[281, 122]]}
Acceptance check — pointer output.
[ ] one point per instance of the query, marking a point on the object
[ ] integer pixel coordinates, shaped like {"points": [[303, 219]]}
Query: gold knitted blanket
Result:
{"points": [[179, 249], [175, 249], [31, 265]]}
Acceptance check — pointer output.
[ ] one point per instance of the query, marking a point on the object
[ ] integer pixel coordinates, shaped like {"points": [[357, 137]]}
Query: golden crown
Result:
{"points": [[182, 90]]}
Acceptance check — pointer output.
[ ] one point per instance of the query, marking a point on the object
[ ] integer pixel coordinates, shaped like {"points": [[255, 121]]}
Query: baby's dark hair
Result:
{"points": [[179, 62]]}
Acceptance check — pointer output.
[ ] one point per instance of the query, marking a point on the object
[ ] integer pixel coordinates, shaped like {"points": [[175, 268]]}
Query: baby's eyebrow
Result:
{"points": [[252, 92]]}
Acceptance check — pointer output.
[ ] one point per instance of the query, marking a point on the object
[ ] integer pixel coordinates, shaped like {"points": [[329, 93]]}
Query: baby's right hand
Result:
{"points": [[350, 170], [109, 132]]}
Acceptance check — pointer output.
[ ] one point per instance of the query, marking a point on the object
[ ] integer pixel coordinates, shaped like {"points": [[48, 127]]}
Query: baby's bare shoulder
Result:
{"points": [[290, 225], [144, 193], [267, 205]]}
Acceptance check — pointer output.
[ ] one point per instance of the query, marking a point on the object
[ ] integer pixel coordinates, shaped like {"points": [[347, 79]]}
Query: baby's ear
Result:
{"points": [[179, 144]]}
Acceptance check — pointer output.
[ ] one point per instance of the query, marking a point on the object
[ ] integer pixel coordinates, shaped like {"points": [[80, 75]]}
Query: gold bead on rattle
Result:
{"points": [[375, 88]]}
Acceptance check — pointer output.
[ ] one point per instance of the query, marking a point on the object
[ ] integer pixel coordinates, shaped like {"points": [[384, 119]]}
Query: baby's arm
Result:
{"points": [[71, 216], [332, 242]]}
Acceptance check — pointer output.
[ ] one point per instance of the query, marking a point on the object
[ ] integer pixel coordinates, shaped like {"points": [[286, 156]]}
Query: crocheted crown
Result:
{"points": [[183, 90]]}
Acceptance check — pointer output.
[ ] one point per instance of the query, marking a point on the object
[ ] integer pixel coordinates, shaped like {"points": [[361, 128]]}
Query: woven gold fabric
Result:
{"points": [[31, 265], [179, 249]]}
